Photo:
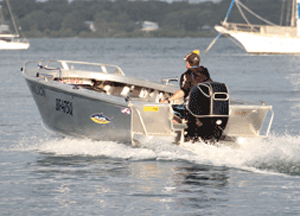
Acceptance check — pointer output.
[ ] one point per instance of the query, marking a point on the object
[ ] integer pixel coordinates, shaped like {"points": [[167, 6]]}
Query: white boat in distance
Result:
{"points": [[265, 39], [9, 40], [98, 101]]}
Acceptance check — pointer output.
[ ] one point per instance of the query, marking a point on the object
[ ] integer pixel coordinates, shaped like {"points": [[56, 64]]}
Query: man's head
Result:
{"points": [[193, 58]]}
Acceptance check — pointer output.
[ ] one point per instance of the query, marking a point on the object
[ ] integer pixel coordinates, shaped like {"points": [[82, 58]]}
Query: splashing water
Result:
{"points": [[277, 154]]}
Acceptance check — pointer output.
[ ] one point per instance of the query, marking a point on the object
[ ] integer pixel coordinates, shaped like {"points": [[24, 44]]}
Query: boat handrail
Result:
{"points": [[40, 66], [270, 123], [241, 27], [23, 69], [167, 80], [260, 28], [104, 67]]}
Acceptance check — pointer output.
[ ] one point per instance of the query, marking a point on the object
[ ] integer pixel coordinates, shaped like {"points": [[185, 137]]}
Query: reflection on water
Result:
{"points": [[196, 186], [204, 186], [75, 165], [204, 175]]}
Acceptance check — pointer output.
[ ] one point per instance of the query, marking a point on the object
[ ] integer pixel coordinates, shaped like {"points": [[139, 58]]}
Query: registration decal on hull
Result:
{"points": [[242, 113], [101, 119], [37, 89], [151, 109], [64, 106]]}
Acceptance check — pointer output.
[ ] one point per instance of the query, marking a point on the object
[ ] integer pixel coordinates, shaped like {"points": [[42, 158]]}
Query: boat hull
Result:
{"points": [[264, 43], [71, 112], [13, 45]]}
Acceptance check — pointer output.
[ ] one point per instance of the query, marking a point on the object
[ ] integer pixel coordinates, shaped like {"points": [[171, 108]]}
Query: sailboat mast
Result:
{"points": [[297, 7], [12, 17], [1, 16], [293, 13]]}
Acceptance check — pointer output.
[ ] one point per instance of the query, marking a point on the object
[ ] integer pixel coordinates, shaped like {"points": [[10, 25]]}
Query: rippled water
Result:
{"points": [[43, 174]]}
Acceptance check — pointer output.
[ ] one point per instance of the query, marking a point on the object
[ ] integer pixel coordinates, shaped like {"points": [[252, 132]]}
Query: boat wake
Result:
{"points": [[277, 154]]}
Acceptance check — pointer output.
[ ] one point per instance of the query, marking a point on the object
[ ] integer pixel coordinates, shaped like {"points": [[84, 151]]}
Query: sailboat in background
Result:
{"points": [[9, 40], [269, 38]]}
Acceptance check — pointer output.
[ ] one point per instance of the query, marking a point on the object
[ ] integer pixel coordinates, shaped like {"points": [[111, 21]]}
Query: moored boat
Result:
{"points": [[265, 39], [11, 40], [98, 101]]}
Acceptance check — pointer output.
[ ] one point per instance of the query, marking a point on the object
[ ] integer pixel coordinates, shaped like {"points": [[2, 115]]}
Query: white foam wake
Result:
{"points": [[279, 153]]}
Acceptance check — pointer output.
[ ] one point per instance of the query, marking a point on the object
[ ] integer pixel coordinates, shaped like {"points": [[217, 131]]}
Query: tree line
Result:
{"points": [[123, 18]]}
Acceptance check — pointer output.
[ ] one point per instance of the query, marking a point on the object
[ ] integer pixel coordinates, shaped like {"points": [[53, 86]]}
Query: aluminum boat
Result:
{"points": [[99, 102]]}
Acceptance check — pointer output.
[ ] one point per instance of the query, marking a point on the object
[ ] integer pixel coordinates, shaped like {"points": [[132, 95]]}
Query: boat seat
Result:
{"points": [[107, 89], [154, 96], [125, 91], [143, 93]]}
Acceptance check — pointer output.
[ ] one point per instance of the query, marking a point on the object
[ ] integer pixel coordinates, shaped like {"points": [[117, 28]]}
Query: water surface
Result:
{"points": [[43, 174]]}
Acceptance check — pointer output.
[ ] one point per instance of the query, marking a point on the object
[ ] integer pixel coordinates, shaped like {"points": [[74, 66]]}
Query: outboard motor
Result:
{"points": [[207, 111]]}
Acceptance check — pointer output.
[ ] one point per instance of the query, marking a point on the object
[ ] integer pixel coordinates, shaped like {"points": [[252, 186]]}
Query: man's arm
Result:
{"points": [[179, 94]]}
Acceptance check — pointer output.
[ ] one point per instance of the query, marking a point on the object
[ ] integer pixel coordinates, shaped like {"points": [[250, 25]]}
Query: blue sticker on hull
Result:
{"points": [[101, 119]]}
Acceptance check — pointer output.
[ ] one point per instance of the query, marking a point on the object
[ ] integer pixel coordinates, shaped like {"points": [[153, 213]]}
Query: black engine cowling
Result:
{"points": [[207, 111]]}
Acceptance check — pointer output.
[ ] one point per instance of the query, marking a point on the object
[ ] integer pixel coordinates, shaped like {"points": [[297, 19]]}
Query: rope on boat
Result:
{"points": [[230, 7], [242, 13], [254, 14], [225, 20]]}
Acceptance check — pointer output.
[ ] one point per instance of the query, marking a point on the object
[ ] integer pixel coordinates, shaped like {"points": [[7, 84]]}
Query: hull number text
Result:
{"points": [[37, 90], [64, 106]]}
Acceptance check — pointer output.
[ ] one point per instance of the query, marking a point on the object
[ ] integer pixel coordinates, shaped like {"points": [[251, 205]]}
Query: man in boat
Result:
{"points": [[192, 76]]}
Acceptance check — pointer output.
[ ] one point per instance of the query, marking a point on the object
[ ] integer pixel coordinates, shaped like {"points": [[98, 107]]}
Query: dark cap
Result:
{"points": [[193, 58]]}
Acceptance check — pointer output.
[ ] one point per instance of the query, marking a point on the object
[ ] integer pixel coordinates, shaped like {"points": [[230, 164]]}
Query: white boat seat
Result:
{"points": [[107, 89], [154, 96], [125, 91], [143, 93]]}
